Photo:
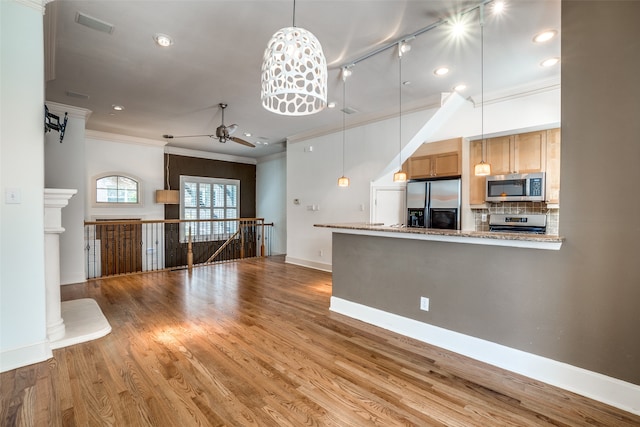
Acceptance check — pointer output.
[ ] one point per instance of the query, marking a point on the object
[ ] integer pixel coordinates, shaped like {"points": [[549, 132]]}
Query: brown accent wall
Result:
{"points": [[193, 166], [579, 305]]}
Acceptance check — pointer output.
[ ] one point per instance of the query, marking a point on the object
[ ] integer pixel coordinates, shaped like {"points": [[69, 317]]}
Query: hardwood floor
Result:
{"points": [[253, 343]]}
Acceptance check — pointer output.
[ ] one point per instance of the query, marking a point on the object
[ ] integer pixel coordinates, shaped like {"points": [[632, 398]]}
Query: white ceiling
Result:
{"points": [[217, 54]]}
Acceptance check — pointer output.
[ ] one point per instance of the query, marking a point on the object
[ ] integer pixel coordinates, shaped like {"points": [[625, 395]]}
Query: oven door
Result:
{"points": [[443, 218]]}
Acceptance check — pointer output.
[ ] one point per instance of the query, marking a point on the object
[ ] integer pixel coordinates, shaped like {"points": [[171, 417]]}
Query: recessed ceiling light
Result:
{"points": [[460, 87], [544, 36], [247, 134], [117, 107], [331, 105], [550, 62], [441, 71], [163, 40]]}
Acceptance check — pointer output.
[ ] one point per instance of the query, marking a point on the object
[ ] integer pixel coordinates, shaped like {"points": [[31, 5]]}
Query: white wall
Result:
{"points": [[370, 149], [271, 195], [23, 337], [64, 167], [143, 159]]}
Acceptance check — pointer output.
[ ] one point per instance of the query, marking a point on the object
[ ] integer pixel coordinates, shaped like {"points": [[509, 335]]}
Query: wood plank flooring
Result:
{"points": [[253, 343]]}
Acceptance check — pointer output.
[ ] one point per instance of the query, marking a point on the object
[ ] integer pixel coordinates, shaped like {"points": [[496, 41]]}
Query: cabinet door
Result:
{"points": [[446, 164], [477, 184], [499, 155], [420, 167], [553, 166], [530, 152]]}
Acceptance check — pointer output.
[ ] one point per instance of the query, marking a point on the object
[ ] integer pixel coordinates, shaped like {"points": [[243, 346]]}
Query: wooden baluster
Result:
{"points": [[190, 253]]}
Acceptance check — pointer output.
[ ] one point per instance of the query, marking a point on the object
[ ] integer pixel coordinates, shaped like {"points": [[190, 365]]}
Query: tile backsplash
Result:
{"points": [[518, 208]]}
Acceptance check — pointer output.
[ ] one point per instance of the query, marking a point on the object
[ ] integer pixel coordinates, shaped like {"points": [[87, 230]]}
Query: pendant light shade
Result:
{"points": [[482, 169], [400, 176], [294, 73], [343, 181]]}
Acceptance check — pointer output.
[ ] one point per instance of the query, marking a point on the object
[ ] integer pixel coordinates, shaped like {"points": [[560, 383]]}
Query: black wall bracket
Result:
{"points": [[52, 122]]}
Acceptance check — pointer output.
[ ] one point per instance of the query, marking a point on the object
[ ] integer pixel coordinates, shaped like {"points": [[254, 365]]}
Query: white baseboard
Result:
{"points": [[23, 356], [306, 263], [72, 278], [593, 385]]}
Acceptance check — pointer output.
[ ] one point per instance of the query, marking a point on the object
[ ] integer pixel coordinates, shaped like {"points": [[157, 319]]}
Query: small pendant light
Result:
{"points": [[400, 176], [343, 181], [482, 168], [294, 72]]}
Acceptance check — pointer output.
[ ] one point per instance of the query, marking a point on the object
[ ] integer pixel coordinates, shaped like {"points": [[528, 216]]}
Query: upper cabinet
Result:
{"points": [[522, 153], [436, 159]]}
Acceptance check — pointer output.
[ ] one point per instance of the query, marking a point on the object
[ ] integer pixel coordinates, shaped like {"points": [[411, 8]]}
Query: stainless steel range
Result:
{"points": [[518, 223]]}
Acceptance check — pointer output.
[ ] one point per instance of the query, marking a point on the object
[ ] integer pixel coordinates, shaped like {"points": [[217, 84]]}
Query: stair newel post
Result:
{"points": [[262, 239], [240, 224]]}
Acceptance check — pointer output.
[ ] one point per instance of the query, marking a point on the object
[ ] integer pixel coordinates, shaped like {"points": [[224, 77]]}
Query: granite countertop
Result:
{"points": [[453, 235]]}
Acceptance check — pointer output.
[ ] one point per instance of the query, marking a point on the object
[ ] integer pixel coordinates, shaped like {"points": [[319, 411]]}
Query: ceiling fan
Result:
{"points": [[223, 133]]}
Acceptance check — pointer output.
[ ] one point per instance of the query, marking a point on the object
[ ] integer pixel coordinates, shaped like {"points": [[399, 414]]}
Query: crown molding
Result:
{"points": [[125, 139], [75, 112], [209, 155], [38, 5]]}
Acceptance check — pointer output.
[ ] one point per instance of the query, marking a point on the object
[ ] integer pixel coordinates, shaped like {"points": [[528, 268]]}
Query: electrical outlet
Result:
{"points": [[483, 217], [320, 252], [424, 303]]}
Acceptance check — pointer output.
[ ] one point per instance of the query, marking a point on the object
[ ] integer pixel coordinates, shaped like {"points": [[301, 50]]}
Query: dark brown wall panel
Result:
{"points": [[193, 166]]}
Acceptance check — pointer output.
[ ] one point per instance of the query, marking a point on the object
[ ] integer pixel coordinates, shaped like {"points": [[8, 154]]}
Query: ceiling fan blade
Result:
{"points": [[186, 136], [241, 141]]}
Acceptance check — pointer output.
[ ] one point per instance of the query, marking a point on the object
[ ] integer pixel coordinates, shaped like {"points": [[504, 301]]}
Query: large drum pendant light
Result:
{"points": [[294, 72]]}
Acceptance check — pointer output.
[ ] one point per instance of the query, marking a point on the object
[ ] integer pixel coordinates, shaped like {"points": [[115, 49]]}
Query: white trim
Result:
{"points": [[38, 5], [126, 139], [23, 356], [306, 263], [75, 112], [593, 385], [208, 155], [94, 191]]}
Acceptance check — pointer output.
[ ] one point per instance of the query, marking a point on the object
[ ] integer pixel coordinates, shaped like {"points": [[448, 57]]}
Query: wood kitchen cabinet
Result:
{"points": [[436, 159], [476, 183], [529, 152], [552, 192], [522, 153]]}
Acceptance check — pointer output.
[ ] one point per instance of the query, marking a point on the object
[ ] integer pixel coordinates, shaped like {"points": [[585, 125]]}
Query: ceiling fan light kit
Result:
{"points": [[294, 72]]}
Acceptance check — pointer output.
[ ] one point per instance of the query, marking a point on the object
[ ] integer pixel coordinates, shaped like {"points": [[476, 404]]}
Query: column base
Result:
{"points": [[83, 321]]}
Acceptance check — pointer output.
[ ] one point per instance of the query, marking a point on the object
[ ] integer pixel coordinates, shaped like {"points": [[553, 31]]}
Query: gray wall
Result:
{"points": [[579, 305]]}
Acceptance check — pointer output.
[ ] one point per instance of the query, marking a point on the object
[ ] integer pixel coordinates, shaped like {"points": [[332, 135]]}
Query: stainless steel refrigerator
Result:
{"points": [[434, 203]]}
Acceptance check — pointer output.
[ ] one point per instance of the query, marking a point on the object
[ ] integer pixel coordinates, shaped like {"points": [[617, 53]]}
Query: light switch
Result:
{"points": [[12, 196]]}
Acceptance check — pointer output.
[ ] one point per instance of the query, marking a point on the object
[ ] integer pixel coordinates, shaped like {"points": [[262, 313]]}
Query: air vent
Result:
{"points": [[94, 23], [348, 110], [77, 95]]}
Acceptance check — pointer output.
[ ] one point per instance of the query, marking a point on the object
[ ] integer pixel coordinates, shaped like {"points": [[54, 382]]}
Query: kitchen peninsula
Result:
{"points": [[522, 240]]}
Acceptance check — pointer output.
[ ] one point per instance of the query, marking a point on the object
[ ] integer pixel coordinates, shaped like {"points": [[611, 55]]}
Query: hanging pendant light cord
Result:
{"points": [[294, 13], [344, 120], [482, 78], [400, 107]]}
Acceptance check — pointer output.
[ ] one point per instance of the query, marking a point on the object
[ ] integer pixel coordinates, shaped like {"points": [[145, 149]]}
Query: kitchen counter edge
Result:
{"points": [[517, 240]]}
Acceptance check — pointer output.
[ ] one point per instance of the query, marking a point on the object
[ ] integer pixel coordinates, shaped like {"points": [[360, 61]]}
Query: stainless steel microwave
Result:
{"points": [[527, 187]]}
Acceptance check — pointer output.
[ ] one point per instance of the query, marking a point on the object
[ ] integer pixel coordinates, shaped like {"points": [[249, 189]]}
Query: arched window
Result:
{"points": [[117, 189]]}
